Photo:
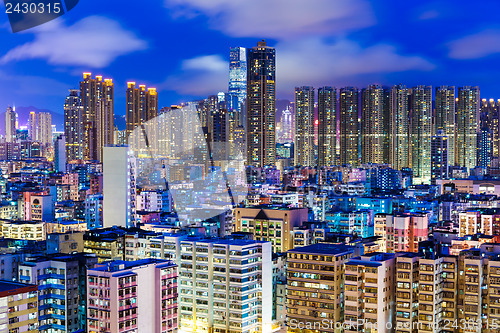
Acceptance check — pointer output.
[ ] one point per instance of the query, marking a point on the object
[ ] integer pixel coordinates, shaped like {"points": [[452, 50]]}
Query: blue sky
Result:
{"points": [[181, 46]]}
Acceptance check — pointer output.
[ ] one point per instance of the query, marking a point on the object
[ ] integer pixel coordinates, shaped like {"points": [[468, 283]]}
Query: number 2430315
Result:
{"points": [[33, 8]]}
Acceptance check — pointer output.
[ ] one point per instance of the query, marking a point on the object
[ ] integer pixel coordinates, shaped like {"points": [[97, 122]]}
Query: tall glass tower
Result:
{"points": [[237, 92]]}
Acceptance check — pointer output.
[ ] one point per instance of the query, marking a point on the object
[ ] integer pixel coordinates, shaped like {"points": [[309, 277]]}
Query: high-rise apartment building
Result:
{"points": [[399, 128], [304, 126], [19, 307], [98, 112], [74, 126], [468, 106], [10, 124], [439, 156], [327, 126], [132, 296], [445, 118], [484, 147], [261, 105], [225, 286], [349, 126], [374, 125], [315, 286], [44, 128], [142, 106], [490, 113], [421, 133], [32, 125], [237, 92]]}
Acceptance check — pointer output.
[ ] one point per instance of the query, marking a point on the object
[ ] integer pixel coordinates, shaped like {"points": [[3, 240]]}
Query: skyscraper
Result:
{"points": [[104, 127], [44, 128], [484, 147], [97, 102], [421, 132], [467, 126], [399, 127], [221, 132], [304, 126], [142, 105], [261, 105], [237, 83], [73, 126], [349, 126], [445, 117], [60, 153], [439, 156], [287, 124], [374, 125], [32, 126], [490, 112], [327, 126], [10, 124]]}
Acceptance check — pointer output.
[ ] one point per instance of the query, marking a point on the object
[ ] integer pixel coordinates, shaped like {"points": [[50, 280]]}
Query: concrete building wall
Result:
{"points": [[116, 187]]}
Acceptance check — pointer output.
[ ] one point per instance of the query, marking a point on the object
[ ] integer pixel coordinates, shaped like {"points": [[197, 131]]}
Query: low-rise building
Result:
{"points": [[25, 230], [273, 224]]}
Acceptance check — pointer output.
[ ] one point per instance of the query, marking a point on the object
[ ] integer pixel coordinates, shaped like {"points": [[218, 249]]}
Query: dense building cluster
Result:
{"points": [[372, 210]]}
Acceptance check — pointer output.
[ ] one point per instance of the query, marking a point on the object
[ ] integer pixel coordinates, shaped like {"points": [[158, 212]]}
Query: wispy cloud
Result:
{"points": [[429, 15], [278, 18], [94, 42], [199, 76], [475, 46]]}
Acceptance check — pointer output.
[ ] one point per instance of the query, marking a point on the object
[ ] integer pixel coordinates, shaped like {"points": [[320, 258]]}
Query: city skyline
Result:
{"points": [[224, 166], [461, 55]]}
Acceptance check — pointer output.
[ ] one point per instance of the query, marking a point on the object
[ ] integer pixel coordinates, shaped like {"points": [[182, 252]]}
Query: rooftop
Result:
{"points": [[120, 265], [324, 248], [11, 288]]}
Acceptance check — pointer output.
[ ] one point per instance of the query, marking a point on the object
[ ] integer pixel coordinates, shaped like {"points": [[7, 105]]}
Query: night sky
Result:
{"points": [[182, 46]]}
